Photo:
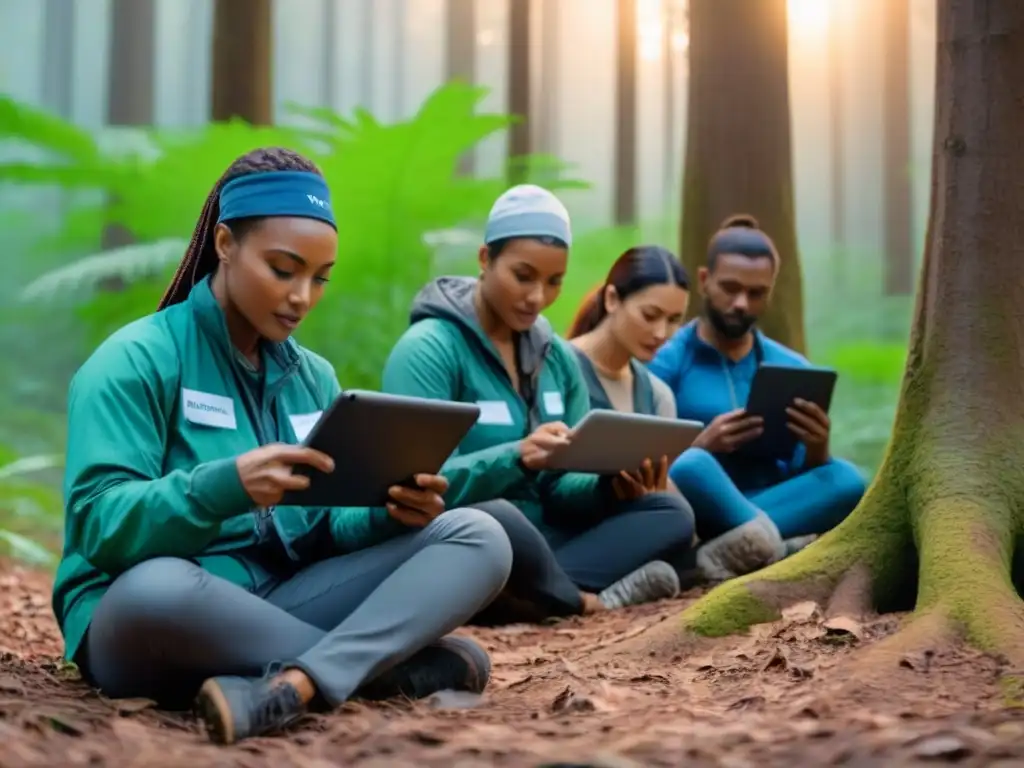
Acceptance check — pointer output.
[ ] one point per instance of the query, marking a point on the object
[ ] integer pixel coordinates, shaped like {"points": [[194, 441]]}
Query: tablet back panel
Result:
{"points": [[607, 442], [772, 391], [379, 440]]}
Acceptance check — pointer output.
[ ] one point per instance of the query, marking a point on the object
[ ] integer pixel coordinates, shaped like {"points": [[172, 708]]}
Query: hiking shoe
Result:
{"points": [[236, 708], [744, 549], [654, 581], [796, 543], [451, 664]]}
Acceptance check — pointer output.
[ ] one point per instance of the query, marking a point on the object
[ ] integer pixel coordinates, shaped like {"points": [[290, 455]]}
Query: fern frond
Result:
{"points": [[126, 264]]}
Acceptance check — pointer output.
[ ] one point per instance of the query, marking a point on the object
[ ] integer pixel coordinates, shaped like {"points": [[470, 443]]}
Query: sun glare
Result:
{"points": [[808, 17]]}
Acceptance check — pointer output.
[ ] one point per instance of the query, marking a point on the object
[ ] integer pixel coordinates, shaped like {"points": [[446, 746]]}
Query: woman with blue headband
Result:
{"points": [[180, 574], [584, 544]]}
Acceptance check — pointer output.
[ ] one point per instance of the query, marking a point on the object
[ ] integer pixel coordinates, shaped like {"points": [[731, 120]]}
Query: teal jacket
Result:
{"points": [[445, 355], [156, 418]]}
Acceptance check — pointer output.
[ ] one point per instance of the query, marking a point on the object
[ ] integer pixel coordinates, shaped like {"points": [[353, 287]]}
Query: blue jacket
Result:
{"points": [[707, 384]]}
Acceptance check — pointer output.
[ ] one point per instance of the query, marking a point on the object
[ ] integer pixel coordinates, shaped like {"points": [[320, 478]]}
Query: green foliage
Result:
{"points": [[869, 364], [391, 184], [28, 506]]}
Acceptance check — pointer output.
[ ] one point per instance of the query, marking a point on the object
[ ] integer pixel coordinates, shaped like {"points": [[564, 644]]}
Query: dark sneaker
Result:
{"points": [[655, 581], [451, 664], [236, 708]]}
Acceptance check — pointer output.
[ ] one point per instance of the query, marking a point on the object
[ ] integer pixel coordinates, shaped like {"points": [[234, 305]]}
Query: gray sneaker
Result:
{"points": [[655, 581], [796, 543], [744, 549]]}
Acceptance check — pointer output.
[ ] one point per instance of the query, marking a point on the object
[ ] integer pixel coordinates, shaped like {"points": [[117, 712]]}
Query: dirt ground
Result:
{"points": [[559, 696]]}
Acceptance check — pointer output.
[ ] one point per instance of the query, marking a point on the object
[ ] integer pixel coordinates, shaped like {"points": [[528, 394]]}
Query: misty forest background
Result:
{"points": [[117, 116]]}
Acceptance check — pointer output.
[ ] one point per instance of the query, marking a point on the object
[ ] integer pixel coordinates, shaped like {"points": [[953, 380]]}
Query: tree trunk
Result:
{"points": [[329, 55], [947, 502], [837, 142], [550, 71], [625, 112], [460, 55], [897, 191], [519, 87], [59, 19], [130, 88], [738, 154], [242, 61]]}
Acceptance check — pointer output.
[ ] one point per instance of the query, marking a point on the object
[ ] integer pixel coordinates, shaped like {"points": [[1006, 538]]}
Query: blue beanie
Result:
{"points": [[527, 210]]}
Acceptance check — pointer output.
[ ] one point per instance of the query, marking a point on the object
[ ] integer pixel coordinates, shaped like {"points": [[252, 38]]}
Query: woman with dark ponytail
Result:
{"points": [[180, 574], [622, 324]]}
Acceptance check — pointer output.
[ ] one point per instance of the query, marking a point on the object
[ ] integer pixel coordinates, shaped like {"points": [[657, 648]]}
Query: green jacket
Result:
{"points": [[156, 418], [445, 355]]}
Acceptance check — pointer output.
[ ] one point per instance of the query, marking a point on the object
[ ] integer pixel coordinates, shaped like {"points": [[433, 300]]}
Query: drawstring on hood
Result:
{"points": [[451, 299]]}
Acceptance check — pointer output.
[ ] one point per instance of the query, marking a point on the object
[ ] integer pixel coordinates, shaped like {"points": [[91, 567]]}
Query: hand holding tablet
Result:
{"points": [[379, 441], [607, 442], [793, 404], [417, 506], [536, 448]]}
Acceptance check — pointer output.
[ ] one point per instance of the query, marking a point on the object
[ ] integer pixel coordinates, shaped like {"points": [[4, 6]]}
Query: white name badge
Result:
{"points": [[553, 404], [494, 412], [303, 423], [209, 410]]}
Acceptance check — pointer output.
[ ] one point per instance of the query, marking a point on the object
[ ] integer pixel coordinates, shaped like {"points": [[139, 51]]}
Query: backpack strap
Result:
{"points": [[643, 390], [598, 397]]}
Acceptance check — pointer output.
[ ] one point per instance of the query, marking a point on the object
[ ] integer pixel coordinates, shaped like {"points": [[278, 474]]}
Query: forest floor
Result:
{"points": [[559, 696]]}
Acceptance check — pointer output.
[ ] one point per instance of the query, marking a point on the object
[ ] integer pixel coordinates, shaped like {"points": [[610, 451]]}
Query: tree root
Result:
{"points": [[960, 568]]}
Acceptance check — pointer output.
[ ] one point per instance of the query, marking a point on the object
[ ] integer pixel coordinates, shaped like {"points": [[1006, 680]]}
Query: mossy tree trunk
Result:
{"points": [[738, 153], [948, 501]]}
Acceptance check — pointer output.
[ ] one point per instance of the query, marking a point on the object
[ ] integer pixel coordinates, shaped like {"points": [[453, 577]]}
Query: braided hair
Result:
{"points": [[200, 258]]}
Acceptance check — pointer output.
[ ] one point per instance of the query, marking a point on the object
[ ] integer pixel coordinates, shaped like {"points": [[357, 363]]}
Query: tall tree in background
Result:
{"points": [[58, 62], [946, 511], [242, 60], [130, 83], [519, 87], [738, 154], [897, 190], [550, 67], [837, 139], [625, 111], [460, 54], [329, 79]]}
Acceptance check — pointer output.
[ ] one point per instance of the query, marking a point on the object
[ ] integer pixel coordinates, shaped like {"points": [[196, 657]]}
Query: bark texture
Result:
{"points": [[947, 507], [738, 149], [242, 61]]}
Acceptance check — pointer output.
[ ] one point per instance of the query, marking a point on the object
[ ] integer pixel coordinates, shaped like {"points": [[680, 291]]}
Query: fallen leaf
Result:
{"points": [[804, 611], [844, 625], [449, 699], [131, 706], [944, 746]]}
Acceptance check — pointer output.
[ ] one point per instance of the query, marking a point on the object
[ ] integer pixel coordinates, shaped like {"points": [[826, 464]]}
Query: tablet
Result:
{"points": [[605, 442], [377, 441], [774, 389]]}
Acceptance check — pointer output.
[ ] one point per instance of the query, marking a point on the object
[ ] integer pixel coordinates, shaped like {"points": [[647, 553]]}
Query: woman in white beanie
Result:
{"points": [[580, 544]]}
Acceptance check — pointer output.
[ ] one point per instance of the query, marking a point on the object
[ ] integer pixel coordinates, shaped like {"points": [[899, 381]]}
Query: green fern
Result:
{"points": [[124, 265], [28, 505]]}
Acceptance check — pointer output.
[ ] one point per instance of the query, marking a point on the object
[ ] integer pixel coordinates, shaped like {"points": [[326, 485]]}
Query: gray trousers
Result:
{"points": [[166, 625]]}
